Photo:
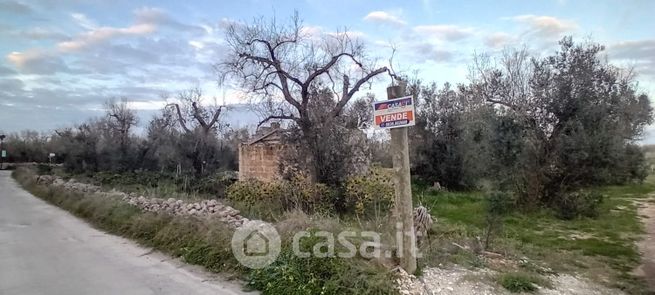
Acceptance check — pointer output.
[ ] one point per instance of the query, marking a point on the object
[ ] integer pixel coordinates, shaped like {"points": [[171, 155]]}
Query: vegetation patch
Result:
{"points": [[519, 282]]}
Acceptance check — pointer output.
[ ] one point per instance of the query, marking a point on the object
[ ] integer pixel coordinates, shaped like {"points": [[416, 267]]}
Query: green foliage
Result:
{"points": [[293, 275], [43, 169], [283, 195], [214, 184], [518, 282], [497, 205], [579, 203], [572, 126], [364, 194]]}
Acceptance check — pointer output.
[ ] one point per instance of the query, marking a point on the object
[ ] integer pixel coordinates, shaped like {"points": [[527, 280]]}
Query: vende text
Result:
{"points": [[408, 115]]}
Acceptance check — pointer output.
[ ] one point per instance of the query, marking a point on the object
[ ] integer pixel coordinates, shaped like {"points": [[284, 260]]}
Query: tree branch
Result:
{"points": [[179, 116], [281, 117], [347, 95], [215, 118]]}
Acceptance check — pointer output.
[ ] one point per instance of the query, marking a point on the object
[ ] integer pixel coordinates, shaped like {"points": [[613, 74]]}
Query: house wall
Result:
{"points": [[259, 161]]}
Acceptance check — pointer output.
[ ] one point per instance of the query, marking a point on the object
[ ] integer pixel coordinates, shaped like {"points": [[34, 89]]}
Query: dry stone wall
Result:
{"points": [[201, 209]]}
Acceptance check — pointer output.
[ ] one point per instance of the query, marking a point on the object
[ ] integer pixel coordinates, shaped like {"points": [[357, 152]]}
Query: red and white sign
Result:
{"points": [[394, 113]]}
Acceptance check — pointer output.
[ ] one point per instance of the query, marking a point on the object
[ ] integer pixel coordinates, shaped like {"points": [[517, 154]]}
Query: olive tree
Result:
{"points": [[577, 116]]}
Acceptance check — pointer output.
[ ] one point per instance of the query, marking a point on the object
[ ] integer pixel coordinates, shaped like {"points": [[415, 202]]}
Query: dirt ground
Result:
{"points": [[647, 245]]}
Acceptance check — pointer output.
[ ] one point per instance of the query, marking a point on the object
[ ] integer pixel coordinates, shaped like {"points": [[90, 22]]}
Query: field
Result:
{"points": [[602, 249]]}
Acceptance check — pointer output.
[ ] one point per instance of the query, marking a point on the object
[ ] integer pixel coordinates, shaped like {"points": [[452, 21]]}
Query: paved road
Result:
{"points": [[45, 250]]}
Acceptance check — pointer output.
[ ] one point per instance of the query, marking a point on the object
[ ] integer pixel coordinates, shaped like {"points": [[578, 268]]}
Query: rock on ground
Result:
{"points": [[459, 280], [205, 208]]}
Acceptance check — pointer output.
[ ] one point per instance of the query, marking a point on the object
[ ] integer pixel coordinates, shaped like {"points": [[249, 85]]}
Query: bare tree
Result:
{"points": [[192, 114], [120, 119], [118, 123], [200, 123], [284, 66]]}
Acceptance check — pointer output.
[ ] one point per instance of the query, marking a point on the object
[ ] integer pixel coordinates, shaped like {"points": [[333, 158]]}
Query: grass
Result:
{"points": [[520, 282], [207, 243], [602, 248]]}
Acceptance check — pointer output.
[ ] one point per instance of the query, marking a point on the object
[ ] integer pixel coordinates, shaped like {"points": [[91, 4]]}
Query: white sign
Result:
{"points": [[51, 155], [4, 153], [394, 113]]}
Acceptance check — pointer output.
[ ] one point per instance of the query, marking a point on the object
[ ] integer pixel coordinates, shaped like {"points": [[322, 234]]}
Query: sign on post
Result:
{"points": [[4, 153], [394, 113], [51, 155]]}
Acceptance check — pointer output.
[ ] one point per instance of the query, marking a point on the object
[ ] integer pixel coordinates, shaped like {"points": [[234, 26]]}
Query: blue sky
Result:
{"points": [[61, 59]]}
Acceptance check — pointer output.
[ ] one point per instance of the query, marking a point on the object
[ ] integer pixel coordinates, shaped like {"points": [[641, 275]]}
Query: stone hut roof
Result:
{"points": [[270, 134]]}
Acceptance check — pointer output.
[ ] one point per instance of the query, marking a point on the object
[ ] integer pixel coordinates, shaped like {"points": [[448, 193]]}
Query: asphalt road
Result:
{"points": [[45, 250]]}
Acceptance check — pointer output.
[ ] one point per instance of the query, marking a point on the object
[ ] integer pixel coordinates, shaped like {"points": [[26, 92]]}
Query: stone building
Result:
{"points": [[259, 158]]}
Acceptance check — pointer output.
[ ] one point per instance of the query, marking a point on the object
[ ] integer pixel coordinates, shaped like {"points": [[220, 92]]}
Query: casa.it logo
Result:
{"points": [[256, 244]]}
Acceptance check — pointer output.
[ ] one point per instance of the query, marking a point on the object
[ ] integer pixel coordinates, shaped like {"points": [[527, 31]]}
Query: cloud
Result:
{"points": [[37, 62], [429, 52], [640, 52], [14, 7], [11, 86], [102, 34], [545, 26], [5, 71], [444, 32], [83, 21], [499, 40], [38, 33], [147, 21], [384, 17], [153, 15]]}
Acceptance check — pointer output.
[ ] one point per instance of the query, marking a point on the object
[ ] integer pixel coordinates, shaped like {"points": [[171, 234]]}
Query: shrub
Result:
{"points": [[292, 275], [518, 282], [579, 203], [283, 195], [364, 194], [43, 169], [497, 204]]}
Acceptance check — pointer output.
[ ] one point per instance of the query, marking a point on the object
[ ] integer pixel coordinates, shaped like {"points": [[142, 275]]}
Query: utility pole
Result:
{"points": [[403, 208]]}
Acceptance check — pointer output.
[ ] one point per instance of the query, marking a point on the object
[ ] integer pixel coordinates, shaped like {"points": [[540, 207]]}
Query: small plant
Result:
{"points": [[518, 282], [283, 195], [578, 203], [43, 169], [292, 275], [367, 193], [497, 205]]}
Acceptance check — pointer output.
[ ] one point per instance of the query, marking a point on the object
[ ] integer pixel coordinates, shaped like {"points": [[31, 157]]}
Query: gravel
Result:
{"points": [[459, 280]]}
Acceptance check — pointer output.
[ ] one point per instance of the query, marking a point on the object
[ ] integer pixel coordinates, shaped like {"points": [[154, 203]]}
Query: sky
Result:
{"points": [[60, 60]]}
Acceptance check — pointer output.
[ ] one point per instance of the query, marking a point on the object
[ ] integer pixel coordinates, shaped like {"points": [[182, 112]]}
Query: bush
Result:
{"points": [[518, 282], [364, 194], [579, 203], [291, 275], [283, 195], [215, 184], [497, 205], [43, 169]]}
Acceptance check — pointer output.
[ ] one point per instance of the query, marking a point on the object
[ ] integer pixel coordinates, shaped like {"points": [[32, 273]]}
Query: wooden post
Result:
{"points": [[403, 209]]}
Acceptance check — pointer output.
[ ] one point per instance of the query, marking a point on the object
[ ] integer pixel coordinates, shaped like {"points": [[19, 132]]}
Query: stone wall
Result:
{"points": [[259, 161], [202, 209]]}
